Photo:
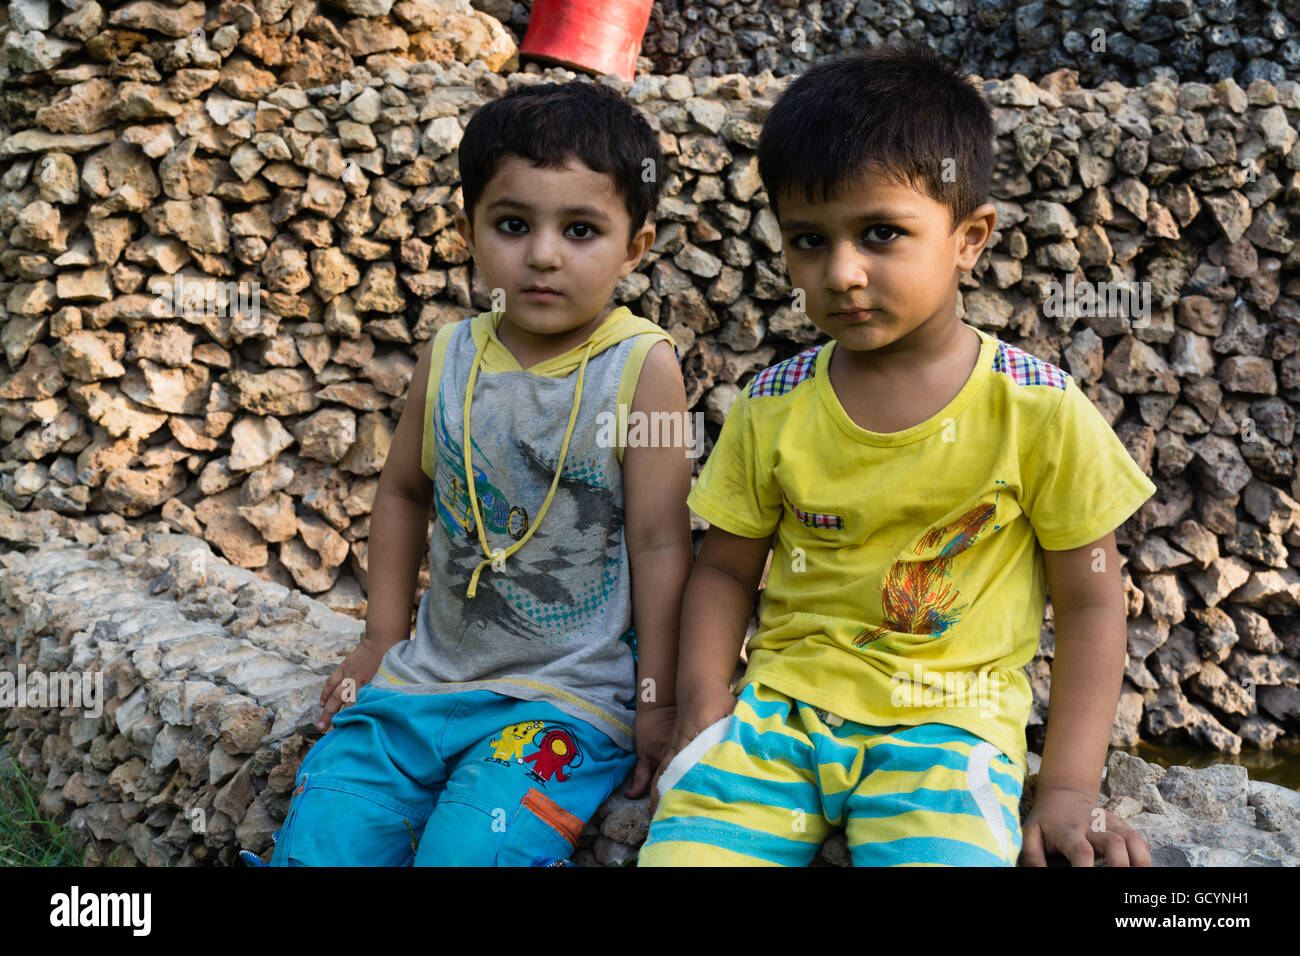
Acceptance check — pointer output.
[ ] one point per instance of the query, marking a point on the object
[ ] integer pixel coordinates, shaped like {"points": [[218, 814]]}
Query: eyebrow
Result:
{"points": [[591, 212], [873, 215]]}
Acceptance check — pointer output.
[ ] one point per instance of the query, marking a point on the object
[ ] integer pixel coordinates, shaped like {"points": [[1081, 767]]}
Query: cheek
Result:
{"points": [[806, 277], [487, 251], [914, 275], [503, 256], [599, 263]]}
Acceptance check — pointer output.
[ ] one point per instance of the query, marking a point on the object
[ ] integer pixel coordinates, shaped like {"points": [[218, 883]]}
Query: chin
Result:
{"points": [[881, 339], [550, 325], [854, 344], [861, 332]]}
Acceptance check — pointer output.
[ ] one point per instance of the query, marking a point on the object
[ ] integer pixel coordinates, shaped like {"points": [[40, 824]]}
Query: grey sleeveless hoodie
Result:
{"points": [[552, 620]]}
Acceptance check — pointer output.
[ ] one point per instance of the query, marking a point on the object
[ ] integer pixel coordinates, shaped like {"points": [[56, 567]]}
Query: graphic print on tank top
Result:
{"points": [[531, 599]]}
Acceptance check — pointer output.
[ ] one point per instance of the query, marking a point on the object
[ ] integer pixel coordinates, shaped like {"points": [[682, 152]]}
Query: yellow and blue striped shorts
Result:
{"points": [[769, 783]]}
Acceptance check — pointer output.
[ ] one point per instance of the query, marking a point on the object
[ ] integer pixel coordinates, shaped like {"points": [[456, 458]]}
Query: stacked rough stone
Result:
{"points": [[210, 681], [140, 149], [1130, 41], [210, 675], [132, 156]]}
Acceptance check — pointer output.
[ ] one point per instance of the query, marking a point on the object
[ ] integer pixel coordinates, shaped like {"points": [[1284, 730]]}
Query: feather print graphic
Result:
{"points": [[916, 599]]}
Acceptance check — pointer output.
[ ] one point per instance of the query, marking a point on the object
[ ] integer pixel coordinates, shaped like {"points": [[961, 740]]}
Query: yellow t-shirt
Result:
{"points": [[907, 582]]}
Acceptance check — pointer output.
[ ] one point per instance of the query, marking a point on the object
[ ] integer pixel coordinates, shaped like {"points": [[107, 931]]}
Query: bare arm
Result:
{"points": [[656, 481], [1091, 641], [399, 521], [399, 525], [398, 531], [715, 615]]}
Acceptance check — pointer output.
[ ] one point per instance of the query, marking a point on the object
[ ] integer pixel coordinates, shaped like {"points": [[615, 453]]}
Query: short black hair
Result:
{"points": [[897, 110], [550, 122]]}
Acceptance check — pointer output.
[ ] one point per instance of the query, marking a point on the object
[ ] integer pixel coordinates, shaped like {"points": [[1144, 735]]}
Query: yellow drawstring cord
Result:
{"points": [[498, 557]]}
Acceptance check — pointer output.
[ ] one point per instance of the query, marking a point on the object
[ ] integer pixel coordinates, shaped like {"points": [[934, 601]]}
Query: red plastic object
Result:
{"points": [[596, 36]]}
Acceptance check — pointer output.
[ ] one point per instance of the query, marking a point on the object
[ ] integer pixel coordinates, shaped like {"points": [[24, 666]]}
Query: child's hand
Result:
{"points": [[360, 666], [703, 709], [1062, 820], [654, 730]]}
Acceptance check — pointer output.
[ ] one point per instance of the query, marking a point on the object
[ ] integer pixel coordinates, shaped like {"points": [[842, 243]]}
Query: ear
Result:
{"points": [[638, 247], [466, 230], [974, 234]]}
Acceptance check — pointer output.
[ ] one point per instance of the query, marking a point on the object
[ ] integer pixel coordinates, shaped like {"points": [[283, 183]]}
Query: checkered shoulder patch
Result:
{"points": [[783, 376], [1027, 369]]}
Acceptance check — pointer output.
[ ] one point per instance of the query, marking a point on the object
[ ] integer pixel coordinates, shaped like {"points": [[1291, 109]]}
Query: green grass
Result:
{"points": [[27, 837]]}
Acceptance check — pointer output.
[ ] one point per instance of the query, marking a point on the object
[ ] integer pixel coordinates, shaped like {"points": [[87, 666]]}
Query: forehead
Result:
{"points": [[869, 195], [519, 183]]}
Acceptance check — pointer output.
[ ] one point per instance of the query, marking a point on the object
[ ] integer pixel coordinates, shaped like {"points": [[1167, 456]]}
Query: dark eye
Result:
{"points": [[802, 236], [502, 222], [888, 228], [589, 231]]}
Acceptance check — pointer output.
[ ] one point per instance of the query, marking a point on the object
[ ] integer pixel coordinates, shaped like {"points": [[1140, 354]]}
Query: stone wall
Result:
{"points": [[139, 148], [206, 681], [1242, 39], [210, 676]]}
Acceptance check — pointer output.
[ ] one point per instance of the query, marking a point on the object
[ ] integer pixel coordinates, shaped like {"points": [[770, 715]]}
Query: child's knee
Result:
{"points": [[344, 812], [335, 822]]}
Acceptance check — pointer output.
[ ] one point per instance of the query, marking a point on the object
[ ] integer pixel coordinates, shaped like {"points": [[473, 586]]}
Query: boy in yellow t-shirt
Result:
{"points": [[922, 483]]}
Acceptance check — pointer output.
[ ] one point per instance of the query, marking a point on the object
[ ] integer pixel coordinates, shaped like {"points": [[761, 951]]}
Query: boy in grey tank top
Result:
{"points": [[525, 694]]}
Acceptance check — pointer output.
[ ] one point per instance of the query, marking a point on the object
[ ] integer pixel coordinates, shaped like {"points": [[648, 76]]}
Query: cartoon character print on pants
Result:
{"points": [[558, 750], [510, 746]]}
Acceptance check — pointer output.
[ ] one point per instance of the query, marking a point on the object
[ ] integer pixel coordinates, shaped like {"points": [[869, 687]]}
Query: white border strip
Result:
{"points": [[981, 788], [691, 754]]}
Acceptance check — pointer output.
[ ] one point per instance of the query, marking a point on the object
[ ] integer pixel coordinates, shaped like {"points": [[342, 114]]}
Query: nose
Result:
{"points": [[845, 268], [543, 249]]}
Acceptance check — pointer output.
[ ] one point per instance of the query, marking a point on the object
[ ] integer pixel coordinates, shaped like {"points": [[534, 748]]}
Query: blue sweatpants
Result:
{"points": [[469, 779]]}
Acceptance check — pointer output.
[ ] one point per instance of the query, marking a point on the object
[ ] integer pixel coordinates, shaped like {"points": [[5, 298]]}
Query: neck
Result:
{"points": [[936, 340], [532, 348]]}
